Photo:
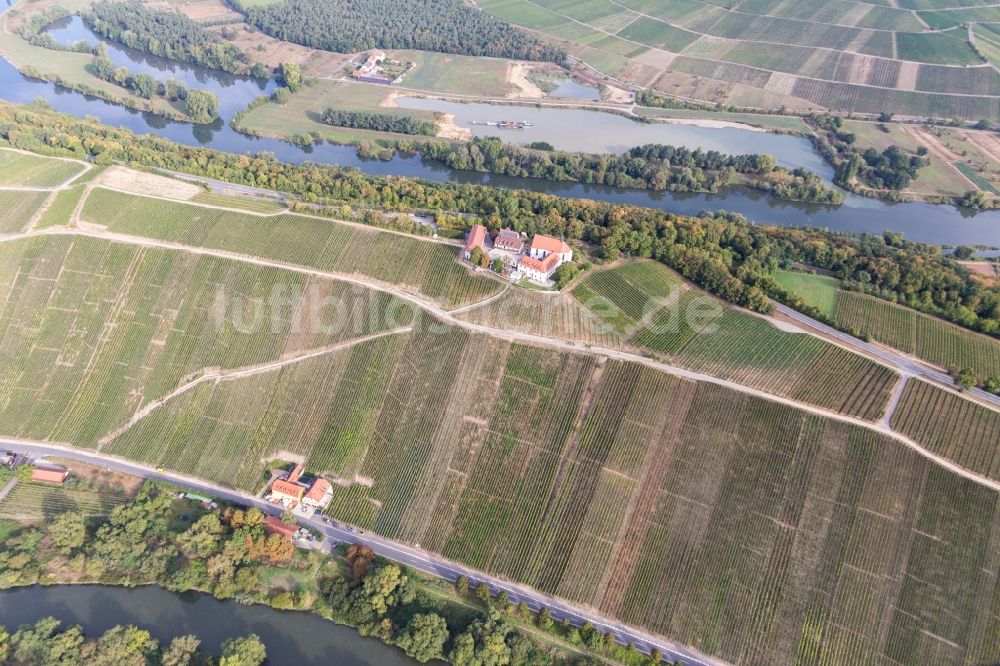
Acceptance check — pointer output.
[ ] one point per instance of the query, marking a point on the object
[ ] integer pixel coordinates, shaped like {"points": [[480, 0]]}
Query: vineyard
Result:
{"points": [[701, 334], [623, 296], [93, 330], [34, 501], [421, 266], [61, 209], [18, 207], [743, 527], [930, 338], [798, 54], [550, 315], [959, 429], [34, 170]]}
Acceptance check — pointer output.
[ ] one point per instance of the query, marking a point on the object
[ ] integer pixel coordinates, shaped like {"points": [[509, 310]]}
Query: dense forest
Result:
{"points": [[892, 169], [445, 26], [47, 643], [722, 253], [164, 33], [653, 166], [381, 122]]}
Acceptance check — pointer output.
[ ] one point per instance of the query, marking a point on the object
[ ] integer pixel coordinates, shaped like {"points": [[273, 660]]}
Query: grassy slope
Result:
{"points": [[819, 291]]}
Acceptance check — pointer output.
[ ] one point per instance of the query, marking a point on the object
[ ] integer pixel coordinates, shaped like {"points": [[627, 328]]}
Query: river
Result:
{"points": [[292, 638], [917, 221]]}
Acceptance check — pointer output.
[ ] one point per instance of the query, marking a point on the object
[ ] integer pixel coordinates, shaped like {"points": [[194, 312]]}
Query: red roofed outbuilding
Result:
{"points": [[319, 495], [274, 525], [54, 475], [476, 238]]}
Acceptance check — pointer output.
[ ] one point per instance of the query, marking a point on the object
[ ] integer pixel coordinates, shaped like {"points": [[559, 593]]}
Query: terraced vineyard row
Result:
{"points": [[699, 333], [551, 315], [421, 266], [32, 501], [34, 170], [957, 428], [92, 330], [18, 207], [930, 338], [624, 295], [751, 530]]}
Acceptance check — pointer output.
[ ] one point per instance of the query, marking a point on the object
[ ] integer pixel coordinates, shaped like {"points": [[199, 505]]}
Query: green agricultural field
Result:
{"points": [[749, 529], [18, 207], [37, 501], [959, 429], [700, 333], [930, 338], [422, 266], [61, 209], [795, 54], [302, 114], [624, 295], [34, 170], [465, 75], [819, 291], [93, 331]]}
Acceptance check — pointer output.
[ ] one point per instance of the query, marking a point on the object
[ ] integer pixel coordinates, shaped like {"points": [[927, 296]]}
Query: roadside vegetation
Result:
{"points": [[181, 545]]}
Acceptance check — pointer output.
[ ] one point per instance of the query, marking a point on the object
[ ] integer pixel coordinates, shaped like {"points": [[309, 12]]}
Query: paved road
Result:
{"points": [[412, 557], [904, 364]]}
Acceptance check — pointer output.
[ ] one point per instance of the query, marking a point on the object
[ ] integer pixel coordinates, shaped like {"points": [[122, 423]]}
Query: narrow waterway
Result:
{"points": [[292, 638], [917, 221]]}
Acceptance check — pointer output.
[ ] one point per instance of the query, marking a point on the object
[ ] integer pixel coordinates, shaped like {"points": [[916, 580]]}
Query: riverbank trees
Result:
{"points": [[379, 122], [48, 642], [720, 252], [168, 34], [652, 166]]}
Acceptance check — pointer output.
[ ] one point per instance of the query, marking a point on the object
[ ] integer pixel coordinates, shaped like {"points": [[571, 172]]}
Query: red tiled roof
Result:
{"points": [[549, 244], [49, 474], [541, 265], [318, 490], [477, 236], [287, 489], [296, 473], [273, 525]]}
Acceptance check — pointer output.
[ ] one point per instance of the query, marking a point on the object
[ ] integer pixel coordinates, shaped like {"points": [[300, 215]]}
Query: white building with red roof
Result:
{"points": [[544, 257]]}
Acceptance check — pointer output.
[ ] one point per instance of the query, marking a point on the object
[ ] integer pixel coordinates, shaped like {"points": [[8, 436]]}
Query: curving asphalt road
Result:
{"points": [[904, 364], [414, 558]]}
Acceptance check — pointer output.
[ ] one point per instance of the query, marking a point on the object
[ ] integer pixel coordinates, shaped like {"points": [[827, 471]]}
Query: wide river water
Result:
{"points": [[917, 221], [292, 638]]}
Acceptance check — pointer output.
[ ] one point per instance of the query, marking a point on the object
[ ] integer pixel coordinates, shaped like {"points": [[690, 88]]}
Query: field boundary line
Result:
{"points": [[216, 375], [526, 338]]}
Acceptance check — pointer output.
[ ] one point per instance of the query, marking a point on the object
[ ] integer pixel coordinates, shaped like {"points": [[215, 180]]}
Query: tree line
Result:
{"points": [[380, 122], [202, 106], [721, 252], [33, 31], [47, 642], [164, 33], [445, 26], [891, 169], [652, 166], [229, 554]]}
